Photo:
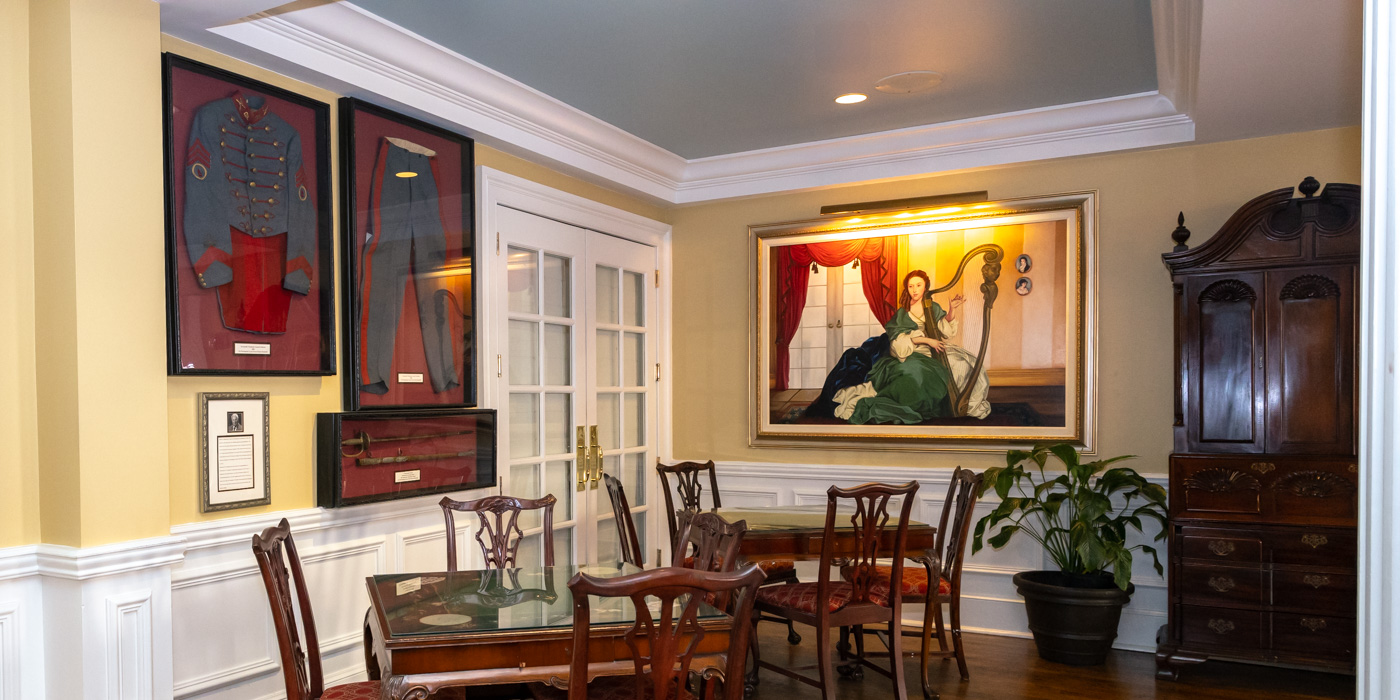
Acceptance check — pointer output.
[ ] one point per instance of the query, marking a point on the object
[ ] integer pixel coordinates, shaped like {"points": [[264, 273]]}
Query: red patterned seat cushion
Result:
{"points": [[913, 582], [803, 597], [364, 690], [605, 688], [772, 568]]}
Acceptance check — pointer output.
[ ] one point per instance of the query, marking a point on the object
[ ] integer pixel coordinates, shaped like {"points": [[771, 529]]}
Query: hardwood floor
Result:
{"points": [[1007, 668]]}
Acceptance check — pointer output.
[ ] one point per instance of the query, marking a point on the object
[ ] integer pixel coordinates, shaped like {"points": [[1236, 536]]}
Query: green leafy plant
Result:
{"points": [[1081, 517]]}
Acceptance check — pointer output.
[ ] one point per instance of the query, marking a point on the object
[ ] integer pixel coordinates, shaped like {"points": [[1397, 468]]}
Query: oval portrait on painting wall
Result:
{"points": [[1023, 263], [1023, 286]]}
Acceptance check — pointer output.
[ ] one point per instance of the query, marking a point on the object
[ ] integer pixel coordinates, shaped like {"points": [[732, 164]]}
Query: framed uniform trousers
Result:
{"points": [[406, 238]]}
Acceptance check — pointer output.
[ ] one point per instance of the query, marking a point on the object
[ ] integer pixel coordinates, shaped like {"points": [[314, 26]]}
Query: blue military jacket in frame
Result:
{"points": [[244, 170]]}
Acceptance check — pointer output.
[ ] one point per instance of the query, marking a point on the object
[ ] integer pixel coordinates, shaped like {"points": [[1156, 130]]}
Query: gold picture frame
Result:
{"points": [[998, 367]]}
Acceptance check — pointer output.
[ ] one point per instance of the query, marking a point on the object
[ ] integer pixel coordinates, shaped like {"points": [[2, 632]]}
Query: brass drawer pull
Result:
{"points": [[1221, 626], [1262, 467], [1316, 580], [1313, 624], [1314, 541], [1222, 547], [1221, 583]]}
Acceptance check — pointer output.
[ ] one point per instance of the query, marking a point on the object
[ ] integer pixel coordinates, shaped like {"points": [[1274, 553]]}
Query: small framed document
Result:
{"points": [[233, 460]]}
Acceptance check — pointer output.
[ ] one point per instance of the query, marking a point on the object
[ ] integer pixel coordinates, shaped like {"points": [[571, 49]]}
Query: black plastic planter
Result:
{"points": [[1074, 618]]}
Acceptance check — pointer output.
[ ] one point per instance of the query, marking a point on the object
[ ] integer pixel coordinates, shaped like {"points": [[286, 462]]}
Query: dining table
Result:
{"points": [[429, 631]]}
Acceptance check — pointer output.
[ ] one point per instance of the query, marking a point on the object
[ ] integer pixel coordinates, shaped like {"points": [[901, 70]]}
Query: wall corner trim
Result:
{"points": [[77, 564]]}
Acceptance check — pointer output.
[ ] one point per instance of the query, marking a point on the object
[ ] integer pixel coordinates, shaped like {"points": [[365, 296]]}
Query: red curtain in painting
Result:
{"points": [[878, 275]]}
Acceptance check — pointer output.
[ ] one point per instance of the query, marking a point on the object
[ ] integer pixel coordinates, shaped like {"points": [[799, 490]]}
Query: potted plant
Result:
{"points": [[1081, 517]]}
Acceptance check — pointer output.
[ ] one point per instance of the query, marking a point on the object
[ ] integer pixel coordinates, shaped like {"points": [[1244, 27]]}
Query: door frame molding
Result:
{"points": [[495, 187]]}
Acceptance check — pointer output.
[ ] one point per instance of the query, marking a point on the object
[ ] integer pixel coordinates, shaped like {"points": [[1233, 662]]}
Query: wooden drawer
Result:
{"points": [[1223, 627], [1316, 635], [1314, 592], [1229, 586], [1237, 547], [1264, 489], [1311, 547]]}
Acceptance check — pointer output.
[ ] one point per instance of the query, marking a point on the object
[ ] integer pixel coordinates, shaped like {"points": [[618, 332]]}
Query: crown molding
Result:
{"points": [[1176, 37], [345, 48]]}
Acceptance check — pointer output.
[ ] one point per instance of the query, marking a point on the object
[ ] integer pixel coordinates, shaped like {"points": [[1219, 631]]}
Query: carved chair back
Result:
{"points": [[499, 534], [622, 516], [710, 543], [688, 487], [954, 524], [663, 647], [870, 518], [301, 667]]}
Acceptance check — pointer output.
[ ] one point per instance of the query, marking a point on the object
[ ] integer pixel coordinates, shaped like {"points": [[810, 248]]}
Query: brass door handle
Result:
{"points": [[581, 456], [597, 455]]}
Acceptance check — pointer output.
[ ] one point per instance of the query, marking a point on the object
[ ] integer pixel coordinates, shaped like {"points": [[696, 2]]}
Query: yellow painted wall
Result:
{"points": [[295, 401], [99, 321], [1139, 196], [19, 459]]}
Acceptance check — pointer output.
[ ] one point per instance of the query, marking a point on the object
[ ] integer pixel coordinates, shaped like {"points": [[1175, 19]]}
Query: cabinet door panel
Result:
{"points": [[1225, 333], [1311, 346]]}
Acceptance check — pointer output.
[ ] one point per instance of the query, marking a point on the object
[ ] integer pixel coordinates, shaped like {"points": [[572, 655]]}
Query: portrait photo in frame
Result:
{"points": [[248, 228], [409, 295], [234, 453], [903, 329]]}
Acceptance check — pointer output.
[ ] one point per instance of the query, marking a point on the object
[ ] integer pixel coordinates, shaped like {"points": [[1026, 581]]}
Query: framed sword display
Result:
{"points": [[373, 456], [248, 226], [407, 231]]}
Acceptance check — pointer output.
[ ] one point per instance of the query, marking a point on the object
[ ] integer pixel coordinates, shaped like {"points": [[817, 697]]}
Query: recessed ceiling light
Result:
{"points": [[910, 82], [850, 98]]}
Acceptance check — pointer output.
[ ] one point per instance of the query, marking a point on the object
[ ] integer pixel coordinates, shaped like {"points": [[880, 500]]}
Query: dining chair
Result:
{"points": [[945, 566], [301, 667], [710, 543], [663, 646], [854, 602], [631, 548], [499, 534], [691, 491]]}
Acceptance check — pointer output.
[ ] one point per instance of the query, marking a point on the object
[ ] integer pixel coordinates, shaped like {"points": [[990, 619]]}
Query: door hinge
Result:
{"points": [[498, 365], [658, 371], [658, 279], [498, 243]]}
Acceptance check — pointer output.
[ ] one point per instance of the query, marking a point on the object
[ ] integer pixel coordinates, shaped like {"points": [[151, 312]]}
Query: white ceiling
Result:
{"points": [[693, 101], [723, 76]]}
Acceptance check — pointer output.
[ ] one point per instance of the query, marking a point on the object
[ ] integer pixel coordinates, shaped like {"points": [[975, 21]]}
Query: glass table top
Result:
{"points": [[498, 600]]}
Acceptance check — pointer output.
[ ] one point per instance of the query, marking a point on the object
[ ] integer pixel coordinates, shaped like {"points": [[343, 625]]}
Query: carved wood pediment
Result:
{"points": [[1278, 228]]}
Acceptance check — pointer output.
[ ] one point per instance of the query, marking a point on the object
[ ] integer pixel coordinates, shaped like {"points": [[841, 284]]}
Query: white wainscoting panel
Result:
{"points": [[225, 642], [990, 603], [9, 651], [129, 640]]}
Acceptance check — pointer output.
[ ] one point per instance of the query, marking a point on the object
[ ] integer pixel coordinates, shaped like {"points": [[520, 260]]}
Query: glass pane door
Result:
{"points": [[623, 387], [541, 382]]}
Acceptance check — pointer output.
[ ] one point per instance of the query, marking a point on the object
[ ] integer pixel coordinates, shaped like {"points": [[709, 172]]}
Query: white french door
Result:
{"points": [[576, 392]]}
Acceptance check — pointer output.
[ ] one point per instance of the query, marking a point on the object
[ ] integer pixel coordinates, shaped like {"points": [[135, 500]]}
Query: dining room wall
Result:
{"points": [[1139, 196]]}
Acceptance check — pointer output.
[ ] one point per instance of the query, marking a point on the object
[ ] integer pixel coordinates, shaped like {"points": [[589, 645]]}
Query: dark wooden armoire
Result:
{"points": [[1262, 541]]}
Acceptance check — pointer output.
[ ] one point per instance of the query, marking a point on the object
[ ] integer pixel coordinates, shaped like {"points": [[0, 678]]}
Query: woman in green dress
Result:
{"points": [[913, 383]]}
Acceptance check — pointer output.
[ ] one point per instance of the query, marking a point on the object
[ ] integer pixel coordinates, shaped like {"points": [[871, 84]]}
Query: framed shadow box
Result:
{"points": [[247, 226], [373, 456], [406, 253]]}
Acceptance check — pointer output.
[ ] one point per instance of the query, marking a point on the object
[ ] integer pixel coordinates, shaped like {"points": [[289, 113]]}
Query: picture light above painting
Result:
{"points": [[926, 330]]}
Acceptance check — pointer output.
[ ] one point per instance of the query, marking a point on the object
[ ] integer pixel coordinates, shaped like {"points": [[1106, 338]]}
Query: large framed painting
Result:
{"points": [[965, 327], [248, 226], [406, 249]]}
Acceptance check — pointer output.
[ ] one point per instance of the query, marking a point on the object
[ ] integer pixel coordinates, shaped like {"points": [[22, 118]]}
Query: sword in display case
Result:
{"points": [[402, 459], [363, 440]]}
